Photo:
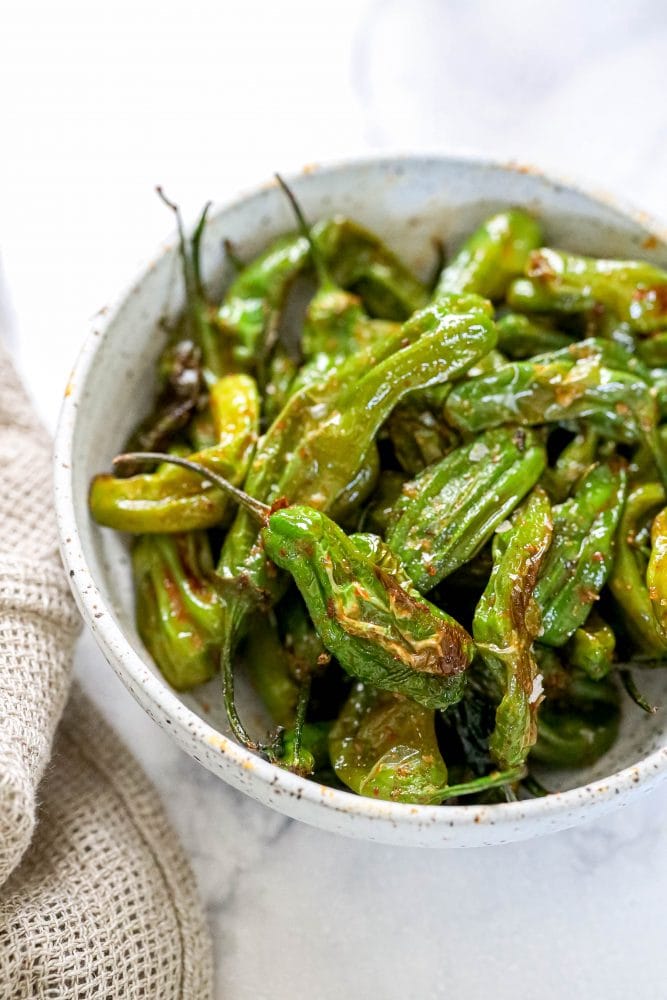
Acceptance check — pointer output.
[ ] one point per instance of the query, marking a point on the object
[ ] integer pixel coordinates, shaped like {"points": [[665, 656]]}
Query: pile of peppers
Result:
{"points": [[429, 523]]}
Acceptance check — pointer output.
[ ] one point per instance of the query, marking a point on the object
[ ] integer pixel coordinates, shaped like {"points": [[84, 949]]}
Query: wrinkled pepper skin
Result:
{"points": [[495, 254], [628, 578], [592, 648], [173, 499], [581, 555], [178, 611], [383, 745], [578, 720], [380, 631], [320, 441], [633, 291], [573, 383], [449, 512], [506, 622], [656, 572], [521, 337]]}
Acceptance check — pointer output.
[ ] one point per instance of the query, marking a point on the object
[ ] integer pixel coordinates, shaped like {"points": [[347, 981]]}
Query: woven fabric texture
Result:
{"points": [[98, 899]]}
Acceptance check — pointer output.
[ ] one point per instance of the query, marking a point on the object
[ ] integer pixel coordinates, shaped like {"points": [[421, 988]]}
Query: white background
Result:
{"points": [[98, 103]]}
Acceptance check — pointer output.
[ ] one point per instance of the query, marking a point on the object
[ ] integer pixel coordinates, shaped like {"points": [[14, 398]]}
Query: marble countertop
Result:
{"points": [[98, 105]]}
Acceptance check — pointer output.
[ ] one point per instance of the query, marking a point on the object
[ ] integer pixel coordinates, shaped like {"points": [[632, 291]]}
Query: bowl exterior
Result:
{"points": [[408, 200]]}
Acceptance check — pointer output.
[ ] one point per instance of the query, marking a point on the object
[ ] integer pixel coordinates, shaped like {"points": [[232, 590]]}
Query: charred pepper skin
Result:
{"points": [[505, 625], [581, 554], [176, 500], [495, 254], [178, 611], [379, 629], [558, 282], [449, 512]]}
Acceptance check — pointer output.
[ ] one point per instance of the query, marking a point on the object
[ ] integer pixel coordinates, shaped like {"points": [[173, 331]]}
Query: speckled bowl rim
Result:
{"points": [[597, 796]]}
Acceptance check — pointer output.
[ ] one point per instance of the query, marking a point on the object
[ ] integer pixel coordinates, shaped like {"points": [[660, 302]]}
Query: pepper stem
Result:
{"points": [[494, 780], [633, 691], [260, 511], [323, 275]]}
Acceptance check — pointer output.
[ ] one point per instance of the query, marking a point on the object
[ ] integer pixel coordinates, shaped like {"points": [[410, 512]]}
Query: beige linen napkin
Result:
{"points": [[96, 896]]}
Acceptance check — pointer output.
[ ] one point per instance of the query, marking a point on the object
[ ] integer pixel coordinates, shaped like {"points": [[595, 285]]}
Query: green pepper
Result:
{"points": [[178, 610], [495, 254], [384, 746], [419, 434], [628, 578], [174, 499], [653, 350], [633, 291], [581, 554], [271, 669], [656, 571], [381, 511], [520, 337], [578, 720], [574, 383], [574, 460], [377, 626], [591, 647], [449, 512], [505, 624]]}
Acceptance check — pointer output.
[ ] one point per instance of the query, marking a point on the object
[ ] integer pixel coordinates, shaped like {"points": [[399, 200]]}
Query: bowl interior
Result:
{"points": [[410, 203]]}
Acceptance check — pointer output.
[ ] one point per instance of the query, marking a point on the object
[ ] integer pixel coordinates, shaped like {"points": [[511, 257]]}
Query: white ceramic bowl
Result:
{"points": [[408, 201]]}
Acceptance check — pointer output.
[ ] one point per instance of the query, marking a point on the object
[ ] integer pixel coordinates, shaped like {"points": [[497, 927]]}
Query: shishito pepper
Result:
{"points": [[495, 254], [173, 499], [581, 555], [505, 625], [633, 291], [592, 647], [579, 718], [449, 512], [628, 581], [384, 746], [521, 337], [595, 380], [656, 572], [178, 609]]}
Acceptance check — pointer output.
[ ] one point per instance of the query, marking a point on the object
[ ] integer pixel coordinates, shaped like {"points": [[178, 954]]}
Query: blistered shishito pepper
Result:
{"points": [[377, 626], [579, 718], [384, 746], [419, 434], [251, 309], [449, 512], [178, 609], [628, 578], [520, 337], [633, 291], [505, 625], [656, 572], [174, 499], [574, 460], [581, 555], [573, 383], [592, 647], [270, 668], [495, 254]]}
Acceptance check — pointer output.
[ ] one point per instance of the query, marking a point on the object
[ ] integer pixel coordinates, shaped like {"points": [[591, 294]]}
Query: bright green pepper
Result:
{"points": [[633, 291], [628, 578], [506, 622], [174, 499], [178, 610], [574, 383], [656, 571], [581, 554], [449, 512], [591, 648], [495, 254]]}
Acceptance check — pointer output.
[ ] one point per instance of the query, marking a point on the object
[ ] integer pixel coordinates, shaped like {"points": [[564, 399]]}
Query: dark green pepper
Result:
{"points": [[449, 512], [520, 337], [592, 647], [581, 554]]}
